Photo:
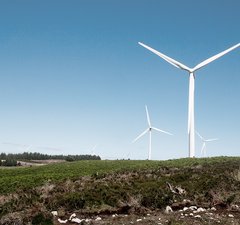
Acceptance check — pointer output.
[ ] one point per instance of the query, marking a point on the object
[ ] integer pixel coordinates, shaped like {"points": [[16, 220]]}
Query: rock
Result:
{"points": [[98, 218], [54, 213], [193, 207], [197, 216], [73, 215], [76, 220], [185, 208], [231, 215], [138, 220], [168, 210], [235, 208], [62, 221], [213, 209], [201, 210]]}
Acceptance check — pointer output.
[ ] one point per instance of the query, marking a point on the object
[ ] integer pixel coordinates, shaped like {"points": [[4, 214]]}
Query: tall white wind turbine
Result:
{"points": [[203, 149], [149, 129], [191, 72]]}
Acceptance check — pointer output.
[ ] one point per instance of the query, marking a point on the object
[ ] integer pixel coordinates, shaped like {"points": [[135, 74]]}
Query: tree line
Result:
{"points": [[11, 159]]}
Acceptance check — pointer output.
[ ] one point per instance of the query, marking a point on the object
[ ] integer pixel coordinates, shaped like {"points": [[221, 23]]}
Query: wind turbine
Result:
{"points": [[149, 129], [92, 150], [203, 149], [191, 72]]}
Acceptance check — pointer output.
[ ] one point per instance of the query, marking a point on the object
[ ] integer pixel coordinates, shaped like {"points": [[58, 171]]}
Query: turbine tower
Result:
{"points": [[149, 129], [203, 149], [191, 72]]}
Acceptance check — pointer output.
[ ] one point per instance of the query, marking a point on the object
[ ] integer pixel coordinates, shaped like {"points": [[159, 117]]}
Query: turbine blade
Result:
{"points": [[148, 118], [213, 139], [199, 135], [154, 128], [207, 61], [144, 132], [166, 58], [203, 146]]}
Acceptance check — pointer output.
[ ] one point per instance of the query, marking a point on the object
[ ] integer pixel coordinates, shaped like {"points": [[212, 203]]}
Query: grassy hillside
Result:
{"points": [[13, 179], [119, 186]]}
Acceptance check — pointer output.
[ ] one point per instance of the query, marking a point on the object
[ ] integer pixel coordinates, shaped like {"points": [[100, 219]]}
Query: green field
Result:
{"points": [[12, 179], [113, 186]]}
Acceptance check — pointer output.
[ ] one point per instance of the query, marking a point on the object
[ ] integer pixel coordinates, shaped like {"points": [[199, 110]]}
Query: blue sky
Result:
{"points": [[72, 76]]}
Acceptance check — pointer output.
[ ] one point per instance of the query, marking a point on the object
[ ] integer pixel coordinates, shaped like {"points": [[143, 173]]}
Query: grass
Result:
{"points": [[88, 185], [12, 180]]}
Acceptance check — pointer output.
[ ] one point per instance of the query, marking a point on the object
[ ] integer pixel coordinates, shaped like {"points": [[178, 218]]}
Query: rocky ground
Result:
{"points": [[188, 215], [168, 195]]}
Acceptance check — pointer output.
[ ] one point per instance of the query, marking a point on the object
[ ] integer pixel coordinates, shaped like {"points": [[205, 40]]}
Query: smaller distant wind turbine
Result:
{"points": [[92, 150], [203, 149], [149, 129]]}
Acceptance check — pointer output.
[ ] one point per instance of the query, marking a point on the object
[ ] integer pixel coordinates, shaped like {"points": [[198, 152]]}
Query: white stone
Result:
{"points": [[213, 209], [168, 210], [76, 220], [138, 220], [201, 210], [191, 214], [62, 221], [185, 208], [98, 218], [54, 213], [193, 207], [73, 215], [230, 215], [197, 216]]}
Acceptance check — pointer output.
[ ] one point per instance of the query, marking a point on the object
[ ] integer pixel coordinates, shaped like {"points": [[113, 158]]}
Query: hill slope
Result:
{"points": [[91, 188]]}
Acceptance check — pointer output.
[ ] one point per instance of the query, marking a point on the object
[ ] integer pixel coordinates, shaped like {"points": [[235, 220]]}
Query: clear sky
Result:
{"points": [[73, 76]]}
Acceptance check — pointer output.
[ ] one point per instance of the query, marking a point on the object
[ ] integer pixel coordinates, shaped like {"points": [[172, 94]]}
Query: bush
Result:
{"points": [[40, 219], [9, 162]]}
